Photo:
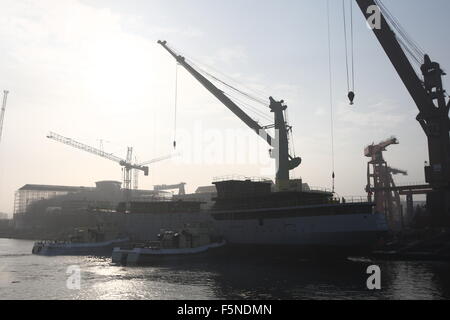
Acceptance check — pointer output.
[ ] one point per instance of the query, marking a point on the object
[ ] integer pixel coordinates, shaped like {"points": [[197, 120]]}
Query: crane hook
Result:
{"points": [[351, 97]]}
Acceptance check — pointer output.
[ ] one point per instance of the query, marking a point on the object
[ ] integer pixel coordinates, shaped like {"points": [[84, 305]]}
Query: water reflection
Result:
{"points": [[25, 276]]}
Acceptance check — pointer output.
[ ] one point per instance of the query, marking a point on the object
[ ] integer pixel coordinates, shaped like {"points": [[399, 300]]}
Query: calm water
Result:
{"points": [[25, 276]]}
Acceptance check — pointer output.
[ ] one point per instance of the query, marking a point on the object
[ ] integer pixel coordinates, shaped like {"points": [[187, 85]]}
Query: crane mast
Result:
{"points": [[2, 112], [430, 98], [284, 162], [380, 182]]}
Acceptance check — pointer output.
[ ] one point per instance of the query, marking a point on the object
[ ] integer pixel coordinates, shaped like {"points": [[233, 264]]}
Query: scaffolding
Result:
{"points": [[29, 194]]}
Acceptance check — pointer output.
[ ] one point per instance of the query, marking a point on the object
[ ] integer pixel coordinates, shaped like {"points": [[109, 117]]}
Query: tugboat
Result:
{"points": [[192, 240], [89, 242]]}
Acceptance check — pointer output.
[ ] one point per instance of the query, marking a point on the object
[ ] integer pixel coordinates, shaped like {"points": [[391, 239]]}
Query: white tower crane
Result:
{"points": [[125, 163]]}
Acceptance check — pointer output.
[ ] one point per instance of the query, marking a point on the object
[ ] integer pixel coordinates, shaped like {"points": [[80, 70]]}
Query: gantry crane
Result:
{"points": [[431, 100], [2, 113], [381, 187], [280, 144], [127, 165]]}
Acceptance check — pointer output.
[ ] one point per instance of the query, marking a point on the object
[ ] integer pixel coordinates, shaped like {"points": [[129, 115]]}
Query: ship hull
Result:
{"points": [[352, 234], [138, 256], [340, 230], [306, 249]]}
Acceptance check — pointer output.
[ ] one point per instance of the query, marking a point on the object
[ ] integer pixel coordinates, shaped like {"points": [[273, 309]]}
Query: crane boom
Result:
{"points": [[284, 162], [396, 171], [389, 142], [84, 147], [2, 112], [136, 172], [92, 150], [371, 150], [397, 56], [158, 159], [218, 94]]}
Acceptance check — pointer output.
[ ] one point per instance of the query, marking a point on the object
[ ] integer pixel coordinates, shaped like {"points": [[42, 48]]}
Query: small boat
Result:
{"points": [[85, 242], [191, 241]]}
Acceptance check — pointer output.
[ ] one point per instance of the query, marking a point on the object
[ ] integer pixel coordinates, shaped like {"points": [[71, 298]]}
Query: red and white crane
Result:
{"points": [[380, 183]]}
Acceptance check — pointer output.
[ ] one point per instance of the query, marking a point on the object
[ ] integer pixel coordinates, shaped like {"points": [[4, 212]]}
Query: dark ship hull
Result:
{"points": [[253, 219]]}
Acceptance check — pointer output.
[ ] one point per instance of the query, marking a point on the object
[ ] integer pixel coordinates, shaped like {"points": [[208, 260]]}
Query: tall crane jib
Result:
{"points": [[146, 163], [125, 163], [429, 96], [280, 144]]}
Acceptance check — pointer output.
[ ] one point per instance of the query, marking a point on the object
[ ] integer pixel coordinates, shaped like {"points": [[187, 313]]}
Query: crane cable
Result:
{"points": [[290, 134], [412, 49], [257, 95], [243, 93], [352, 46], [350, 77], [333, 176], [255, 102], [176, 107]]}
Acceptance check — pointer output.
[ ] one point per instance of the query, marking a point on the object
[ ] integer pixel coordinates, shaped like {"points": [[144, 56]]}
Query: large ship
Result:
{"points": [[253, 218], [251, 215]]}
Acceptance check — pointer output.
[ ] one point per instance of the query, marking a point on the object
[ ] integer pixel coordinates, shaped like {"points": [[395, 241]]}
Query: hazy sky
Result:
{"points": [[91, 70]]}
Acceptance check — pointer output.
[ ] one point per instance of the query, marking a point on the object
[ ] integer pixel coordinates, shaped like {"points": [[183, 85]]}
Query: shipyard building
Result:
{"points": [[53, 209]]}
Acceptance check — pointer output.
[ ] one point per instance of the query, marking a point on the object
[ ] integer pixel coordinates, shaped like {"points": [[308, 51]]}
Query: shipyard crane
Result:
{"points": [[280, 144], [2, 113], [429, 97], [125, 163], [380, 182], [375, 151]]}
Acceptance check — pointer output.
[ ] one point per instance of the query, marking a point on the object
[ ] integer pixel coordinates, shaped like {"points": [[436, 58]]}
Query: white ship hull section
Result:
{"points": [[139, 255], [69, 249]]}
